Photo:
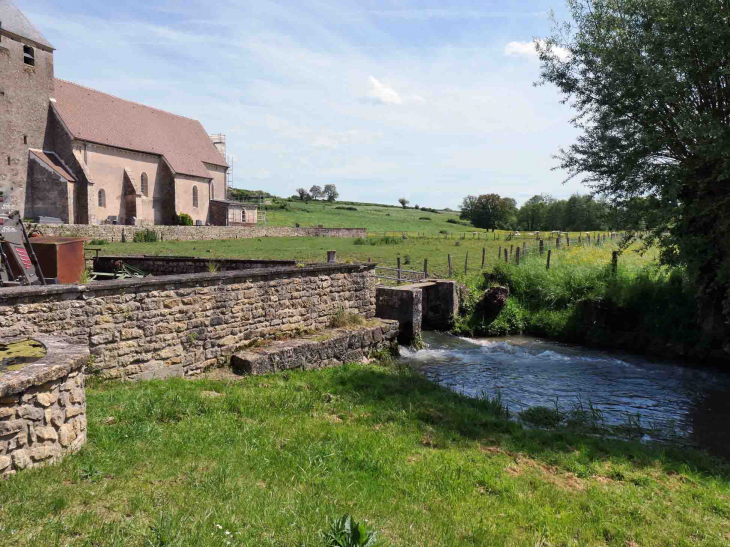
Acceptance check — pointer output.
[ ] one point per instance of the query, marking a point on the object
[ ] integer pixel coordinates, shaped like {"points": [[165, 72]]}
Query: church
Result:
{"points": [[86, 157]]}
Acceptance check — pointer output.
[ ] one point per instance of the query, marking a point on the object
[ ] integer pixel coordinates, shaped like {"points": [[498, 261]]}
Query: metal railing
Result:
{"points": [[400, 275]]}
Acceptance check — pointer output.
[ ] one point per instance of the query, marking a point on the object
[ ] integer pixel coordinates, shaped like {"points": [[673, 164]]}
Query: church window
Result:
{"points": [[28, 55], [102, 198], [145, 185], [25, 139], [195, 196]]}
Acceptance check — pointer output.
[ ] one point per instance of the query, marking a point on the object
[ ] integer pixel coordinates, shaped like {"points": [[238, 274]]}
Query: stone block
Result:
{"points": [[11, 426], [21, 459], [46, 399], [403, 304], [5, 462], [46, 433]]}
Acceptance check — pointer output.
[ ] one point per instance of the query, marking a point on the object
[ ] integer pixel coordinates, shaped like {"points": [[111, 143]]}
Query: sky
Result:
{"points": [[423, 99]]}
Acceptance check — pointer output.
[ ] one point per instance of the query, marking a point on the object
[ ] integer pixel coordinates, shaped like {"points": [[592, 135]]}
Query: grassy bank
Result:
{"points": [[641, 307], [273, 459]]}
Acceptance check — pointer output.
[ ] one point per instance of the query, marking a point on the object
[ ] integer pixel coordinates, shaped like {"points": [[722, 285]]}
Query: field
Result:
{"points": [[385, 251], [376, 218], [273, 460]]}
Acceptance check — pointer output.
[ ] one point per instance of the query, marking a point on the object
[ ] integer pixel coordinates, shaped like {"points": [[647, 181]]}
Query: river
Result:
{"points": [[675, 402]]}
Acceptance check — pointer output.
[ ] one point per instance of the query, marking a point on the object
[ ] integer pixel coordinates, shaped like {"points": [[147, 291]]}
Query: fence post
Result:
{"points": [[370, 260], [506, 257], [451, 271], [331, 257], [466, 263], [548, 260], [542, 247], [614, 262], [399, 271], [499, 253], [567, 240], [517, 256], [524, 249], [425, 268], [511, 250], [484, 254]]}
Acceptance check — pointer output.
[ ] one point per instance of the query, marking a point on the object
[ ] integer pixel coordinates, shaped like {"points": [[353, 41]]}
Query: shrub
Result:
{"points": [[424, 218], [452, 221], [145, 236], [386, 240], [511, 320], [99, 242], [542, 416], [431, 210], [407, 259], [346, 208], [182, 219]]}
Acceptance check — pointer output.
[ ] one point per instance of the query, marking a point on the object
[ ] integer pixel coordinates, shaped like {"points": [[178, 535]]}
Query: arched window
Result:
{"points": [[195, 196], [145, 185], [243, 215], [102, 198]]}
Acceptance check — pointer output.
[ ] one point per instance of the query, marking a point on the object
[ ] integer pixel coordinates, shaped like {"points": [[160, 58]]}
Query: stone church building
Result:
{"points": [[87, 157]]}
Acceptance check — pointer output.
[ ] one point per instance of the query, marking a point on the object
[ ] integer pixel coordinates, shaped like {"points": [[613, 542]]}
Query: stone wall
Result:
{"points": [[180, 325], [194, 233], [331, 348], [175, 265], [43, 408]]}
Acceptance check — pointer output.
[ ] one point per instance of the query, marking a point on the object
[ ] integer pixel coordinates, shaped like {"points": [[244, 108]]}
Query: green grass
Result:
{"points": [[276, 459], [376, 218]]}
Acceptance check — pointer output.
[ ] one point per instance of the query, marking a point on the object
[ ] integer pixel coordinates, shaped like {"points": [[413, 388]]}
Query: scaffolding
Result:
{"points": [[219, 140]]}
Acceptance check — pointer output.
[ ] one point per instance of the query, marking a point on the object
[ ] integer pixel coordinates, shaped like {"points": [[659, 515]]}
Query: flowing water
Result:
{"points": [[673, 401]]}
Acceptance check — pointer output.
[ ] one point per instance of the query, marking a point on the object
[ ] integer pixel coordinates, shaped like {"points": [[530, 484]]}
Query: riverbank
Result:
{"points": [[271, 460], [641, 307]]}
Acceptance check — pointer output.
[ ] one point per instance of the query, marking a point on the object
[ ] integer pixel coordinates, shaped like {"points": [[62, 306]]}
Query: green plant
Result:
{"points": [[342, 318], [345, 532], [85, 276], [182, 219], [212, 267], [145, 236], [424, 218], [407, 259], [542, 416], [99, 242], [346, 208]]}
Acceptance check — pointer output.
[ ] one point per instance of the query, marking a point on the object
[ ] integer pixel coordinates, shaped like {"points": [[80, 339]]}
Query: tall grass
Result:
{"points": [[581, 299]]}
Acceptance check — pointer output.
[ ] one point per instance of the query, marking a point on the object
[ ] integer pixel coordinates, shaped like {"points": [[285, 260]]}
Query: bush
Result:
{"points": [[182, 219], [452, 221], [145, 236], [424, 218], [407, 259], [346, 208], [99, 242], [430, 210], [345, 532], [511, 320]]}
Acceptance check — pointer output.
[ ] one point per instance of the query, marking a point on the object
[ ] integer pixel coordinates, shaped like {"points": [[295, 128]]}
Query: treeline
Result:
{"points": [[545, 213]]}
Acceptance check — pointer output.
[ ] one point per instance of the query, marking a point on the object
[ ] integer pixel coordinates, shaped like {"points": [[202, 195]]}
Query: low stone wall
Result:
{"points": [[43, 408], [113, 233], [175, 265], [325, 349], [179, 325]]}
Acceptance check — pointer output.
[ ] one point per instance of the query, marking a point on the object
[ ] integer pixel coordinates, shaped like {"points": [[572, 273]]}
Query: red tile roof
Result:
{"points": [[54, 162], [94, 116]]}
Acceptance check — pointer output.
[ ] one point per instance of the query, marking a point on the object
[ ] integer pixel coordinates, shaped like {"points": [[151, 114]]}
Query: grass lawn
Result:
{"points": [[274, 459]]}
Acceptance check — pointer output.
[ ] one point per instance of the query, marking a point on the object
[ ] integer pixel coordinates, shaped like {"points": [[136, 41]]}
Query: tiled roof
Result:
{"points": [[13, 20], [94, 116], [54, 162]]}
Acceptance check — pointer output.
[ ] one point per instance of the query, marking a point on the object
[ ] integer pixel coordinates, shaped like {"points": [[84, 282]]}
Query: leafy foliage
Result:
{"points": [[182, 219], [345, 532], [489, 211], [650, 85], [145, 236]]}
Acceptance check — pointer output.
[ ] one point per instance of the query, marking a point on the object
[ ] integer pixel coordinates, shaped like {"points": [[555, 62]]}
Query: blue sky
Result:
{"points": [[428, 100]]}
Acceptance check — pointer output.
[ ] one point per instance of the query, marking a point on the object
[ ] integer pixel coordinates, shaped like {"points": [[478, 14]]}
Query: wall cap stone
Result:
{"points": [[62, 358], [194, 278]]}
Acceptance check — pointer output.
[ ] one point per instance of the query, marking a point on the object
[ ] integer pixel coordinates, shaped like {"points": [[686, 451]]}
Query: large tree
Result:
{"points": [[486, 211], [650, 80]]}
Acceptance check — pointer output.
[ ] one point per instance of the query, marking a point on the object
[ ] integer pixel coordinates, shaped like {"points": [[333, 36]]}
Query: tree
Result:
{"points": [[303, 194], [486, 211], [404, 202], [649, 81], [316, 192], [532, 214], [330, 192]]}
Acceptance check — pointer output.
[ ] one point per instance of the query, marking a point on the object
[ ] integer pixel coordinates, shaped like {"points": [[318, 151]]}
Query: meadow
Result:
{"points": [[274, 460]]}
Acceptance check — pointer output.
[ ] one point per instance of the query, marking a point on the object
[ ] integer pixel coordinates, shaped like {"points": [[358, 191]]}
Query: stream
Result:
{"points": [[672, 401]]}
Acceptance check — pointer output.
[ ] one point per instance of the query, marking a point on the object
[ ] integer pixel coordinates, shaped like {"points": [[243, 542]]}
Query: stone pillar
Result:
{"points": [[403, 304]]}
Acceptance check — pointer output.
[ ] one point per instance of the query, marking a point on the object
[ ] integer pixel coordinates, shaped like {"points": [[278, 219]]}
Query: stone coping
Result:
{"points": [[177, 258], [61, 359], [151, 281]]}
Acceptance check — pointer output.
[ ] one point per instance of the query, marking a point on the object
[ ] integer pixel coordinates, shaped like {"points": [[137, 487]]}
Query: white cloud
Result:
{"points": [[381, 93], [527, 49]]}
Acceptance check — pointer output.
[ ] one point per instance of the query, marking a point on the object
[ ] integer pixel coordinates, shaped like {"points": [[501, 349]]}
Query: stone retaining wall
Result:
{"points": [[43, 408], [112, 232], [325, 349], [174, 265], [179, 325]]}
